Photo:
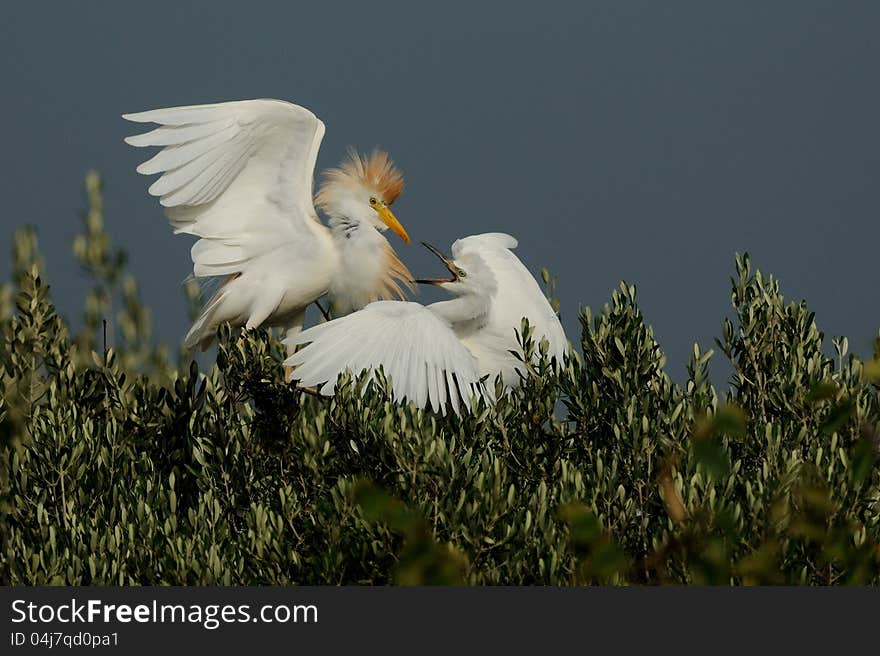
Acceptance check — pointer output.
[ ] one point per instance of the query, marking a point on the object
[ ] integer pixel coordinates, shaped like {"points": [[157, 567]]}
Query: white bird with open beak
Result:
{"points": [[437, 355], [239, 176]]}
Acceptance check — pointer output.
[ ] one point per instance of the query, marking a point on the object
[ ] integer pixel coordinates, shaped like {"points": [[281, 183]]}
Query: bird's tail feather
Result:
{"points": [[201, 334]]}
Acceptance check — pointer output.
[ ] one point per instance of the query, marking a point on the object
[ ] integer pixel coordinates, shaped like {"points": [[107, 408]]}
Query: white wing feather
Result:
{"points": [[417, 350], [237, 174], [518, 295]]}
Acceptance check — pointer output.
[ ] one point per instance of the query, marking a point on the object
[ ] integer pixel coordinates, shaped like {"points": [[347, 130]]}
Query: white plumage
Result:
{"points": [[517, 295], [239, 176], [417, 349], [436, 355]]}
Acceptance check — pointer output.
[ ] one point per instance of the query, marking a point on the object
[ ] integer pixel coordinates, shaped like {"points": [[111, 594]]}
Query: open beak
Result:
{"points": [[391, 221], [450, 265]]}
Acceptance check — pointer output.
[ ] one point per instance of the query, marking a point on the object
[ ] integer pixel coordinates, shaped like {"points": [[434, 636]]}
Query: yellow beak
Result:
{"points": [[391, 221]]}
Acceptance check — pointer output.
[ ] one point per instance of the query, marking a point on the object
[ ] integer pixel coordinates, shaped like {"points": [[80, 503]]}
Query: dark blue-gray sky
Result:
{"points": [[639, 140]]}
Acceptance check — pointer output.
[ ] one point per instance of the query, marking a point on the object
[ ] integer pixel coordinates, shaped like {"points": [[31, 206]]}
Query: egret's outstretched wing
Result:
{"points": [[238, 175], [517, 295], [416, 349]]}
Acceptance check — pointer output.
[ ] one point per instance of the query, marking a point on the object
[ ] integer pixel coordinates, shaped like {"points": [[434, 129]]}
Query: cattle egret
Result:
{"points": [[438, 354], [238, 175]]}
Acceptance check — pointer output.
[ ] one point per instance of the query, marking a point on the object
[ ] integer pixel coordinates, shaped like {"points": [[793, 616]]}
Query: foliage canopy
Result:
{"points": [[128, 466]]}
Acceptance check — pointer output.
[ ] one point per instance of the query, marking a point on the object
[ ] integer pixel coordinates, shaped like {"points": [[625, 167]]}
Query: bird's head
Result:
{"points": [[469, 274], [362, 189]]}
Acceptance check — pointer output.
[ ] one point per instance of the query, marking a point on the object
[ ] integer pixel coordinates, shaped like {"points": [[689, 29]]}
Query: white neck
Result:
{"points": [[363, 264], [343, 227], [462, 309]]}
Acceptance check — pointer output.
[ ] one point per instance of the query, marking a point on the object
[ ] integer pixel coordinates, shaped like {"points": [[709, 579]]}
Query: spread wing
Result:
{"points": [[518, 295], [416, 349], [238, 175]]}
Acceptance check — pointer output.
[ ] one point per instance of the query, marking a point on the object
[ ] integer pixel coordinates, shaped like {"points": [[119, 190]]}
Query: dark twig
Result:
{"points": [[106, 390], [326, 313], [312, 392]]}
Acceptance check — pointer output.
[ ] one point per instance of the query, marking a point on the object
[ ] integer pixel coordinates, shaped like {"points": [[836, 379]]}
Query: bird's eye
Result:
{"points": [[462, 274], [373, 200]]}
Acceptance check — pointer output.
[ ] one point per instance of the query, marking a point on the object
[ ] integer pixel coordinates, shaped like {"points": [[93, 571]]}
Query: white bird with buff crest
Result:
{"points": [[239, 176]]}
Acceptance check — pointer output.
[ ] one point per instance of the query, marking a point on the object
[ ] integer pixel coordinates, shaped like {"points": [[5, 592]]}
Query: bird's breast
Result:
{"points": [[367, 270], [355, 283]]}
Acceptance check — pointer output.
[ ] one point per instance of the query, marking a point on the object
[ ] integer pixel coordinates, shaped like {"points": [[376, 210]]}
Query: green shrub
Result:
{"points": [[121, 466]]}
